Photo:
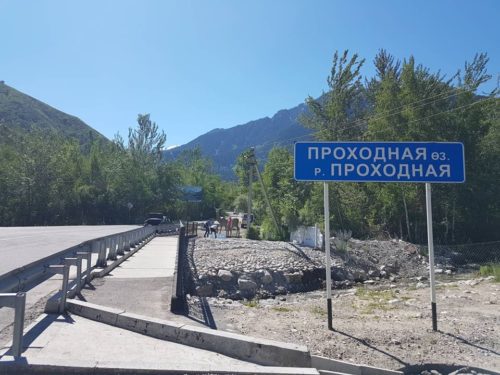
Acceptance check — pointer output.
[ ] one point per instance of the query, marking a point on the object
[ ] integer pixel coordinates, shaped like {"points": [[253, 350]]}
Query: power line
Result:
{"points": [[358, 123], [398, 110]]}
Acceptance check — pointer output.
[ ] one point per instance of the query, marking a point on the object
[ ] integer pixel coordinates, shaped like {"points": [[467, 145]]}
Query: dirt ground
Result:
{"points": [[384, 325]]}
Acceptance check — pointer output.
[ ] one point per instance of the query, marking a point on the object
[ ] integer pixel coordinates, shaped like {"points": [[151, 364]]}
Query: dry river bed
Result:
{"points": [[385, 325]]}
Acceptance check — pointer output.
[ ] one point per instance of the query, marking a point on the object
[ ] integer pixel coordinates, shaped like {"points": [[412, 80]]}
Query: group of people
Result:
{"points": [[214, 227], [211, 227]]}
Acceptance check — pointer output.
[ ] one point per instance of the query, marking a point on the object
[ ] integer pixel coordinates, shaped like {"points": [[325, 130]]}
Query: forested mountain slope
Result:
{"points": [[21, 113]]}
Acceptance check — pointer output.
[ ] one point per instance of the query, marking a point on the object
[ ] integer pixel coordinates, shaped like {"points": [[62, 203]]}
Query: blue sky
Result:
{"points": [[199, 65]]}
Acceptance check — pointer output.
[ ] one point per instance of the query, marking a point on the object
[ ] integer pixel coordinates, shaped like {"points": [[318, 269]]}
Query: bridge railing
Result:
{"points": [[101, 249], [178, 299], [110, 250]]}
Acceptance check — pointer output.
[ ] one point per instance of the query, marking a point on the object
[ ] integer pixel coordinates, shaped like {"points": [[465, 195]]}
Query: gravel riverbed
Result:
{"points": [[380, 319]]}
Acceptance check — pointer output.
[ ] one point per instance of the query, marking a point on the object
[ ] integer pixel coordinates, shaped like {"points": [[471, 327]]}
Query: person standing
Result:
{"points": [[229, 226], [207, 225]]}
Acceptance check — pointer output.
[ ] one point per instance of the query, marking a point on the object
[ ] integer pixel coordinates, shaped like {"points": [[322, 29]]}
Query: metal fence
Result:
{"points": [[466, 254]]}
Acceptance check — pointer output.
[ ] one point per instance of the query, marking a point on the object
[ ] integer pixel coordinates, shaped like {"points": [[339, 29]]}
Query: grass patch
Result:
{"points": [[281, 309], [319, 311], [492, 269], [251, 303], [374, 300], [374, 305], [370, 294]]}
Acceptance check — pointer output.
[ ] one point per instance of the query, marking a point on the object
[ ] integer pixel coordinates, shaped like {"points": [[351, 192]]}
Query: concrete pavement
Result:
{"points": [[72, 344], [142, 284]]}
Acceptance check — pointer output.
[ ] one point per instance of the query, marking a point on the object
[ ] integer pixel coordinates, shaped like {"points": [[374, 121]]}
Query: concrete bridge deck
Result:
{"points": [[140, 285]]}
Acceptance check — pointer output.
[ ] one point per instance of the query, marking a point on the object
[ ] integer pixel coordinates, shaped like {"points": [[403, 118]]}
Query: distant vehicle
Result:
{"points": [[244, 220], [155, 218]]}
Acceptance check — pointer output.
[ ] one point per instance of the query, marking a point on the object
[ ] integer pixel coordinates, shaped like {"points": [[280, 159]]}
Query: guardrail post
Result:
{"points": [[79, 256], [17, 301], [101, 259], [62, 269], [112, 248], [73, 262], [17, 341], [88, 258], [121, 245], [128, 244]]}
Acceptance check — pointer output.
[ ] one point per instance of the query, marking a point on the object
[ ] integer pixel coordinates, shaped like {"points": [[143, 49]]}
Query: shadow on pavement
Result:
{"points": [[35, 331]]}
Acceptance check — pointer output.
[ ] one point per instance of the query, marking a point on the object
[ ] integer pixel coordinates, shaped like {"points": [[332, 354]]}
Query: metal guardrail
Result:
{"points": [[178, 298], [17, 301], [107, 248]]}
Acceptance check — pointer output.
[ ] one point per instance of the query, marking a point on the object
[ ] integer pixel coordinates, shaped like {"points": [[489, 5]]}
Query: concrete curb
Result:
{"points": [[259, 351], [333, 366], [17, 367]]}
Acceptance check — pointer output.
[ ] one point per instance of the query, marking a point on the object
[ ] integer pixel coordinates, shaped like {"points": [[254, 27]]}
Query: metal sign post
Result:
{"points": [[328, 265], [425, 162], [430, 244]]}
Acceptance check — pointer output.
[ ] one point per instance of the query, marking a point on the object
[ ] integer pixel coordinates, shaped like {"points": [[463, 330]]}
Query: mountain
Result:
{"points": [[223, 146], [20, 113]]}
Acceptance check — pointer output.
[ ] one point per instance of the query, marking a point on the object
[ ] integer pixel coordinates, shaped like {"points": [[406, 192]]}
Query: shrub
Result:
{"points": [[492, 269]]}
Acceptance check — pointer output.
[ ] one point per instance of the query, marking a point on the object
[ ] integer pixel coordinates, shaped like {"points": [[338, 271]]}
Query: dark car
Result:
{"points": [[155, 218]]}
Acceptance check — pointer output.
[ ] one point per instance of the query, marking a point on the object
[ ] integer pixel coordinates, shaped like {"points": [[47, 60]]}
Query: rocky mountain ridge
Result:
{"points": [[223, 146]]}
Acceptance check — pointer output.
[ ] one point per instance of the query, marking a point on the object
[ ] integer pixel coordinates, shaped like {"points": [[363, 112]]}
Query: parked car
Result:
{"points": [[155, 218], [244, 220]]}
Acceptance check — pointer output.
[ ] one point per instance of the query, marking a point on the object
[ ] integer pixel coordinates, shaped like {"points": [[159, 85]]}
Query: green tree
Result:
{"points": [[330, 114]]}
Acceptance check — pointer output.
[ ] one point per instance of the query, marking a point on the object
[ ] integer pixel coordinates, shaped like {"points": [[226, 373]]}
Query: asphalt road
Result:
{"points": [[20, 246]]}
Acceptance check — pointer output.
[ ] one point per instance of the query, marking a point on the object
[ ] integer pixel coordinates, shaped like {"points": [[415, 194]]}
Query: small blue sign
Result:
{"points": [[435, 162]]}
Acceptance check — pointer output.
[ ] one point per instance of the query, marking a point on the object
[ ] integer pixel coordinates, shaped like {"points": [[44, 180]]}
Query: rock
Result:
{"points": [[420, 285], [448, 272], [281, 290], [359, 276], [293, 278], [225, 275], [370, 282], [205, 290], [438, 270], [373, 273], [267, 278], [471, 282], [222, 294], [394, 301], [246, 285]]}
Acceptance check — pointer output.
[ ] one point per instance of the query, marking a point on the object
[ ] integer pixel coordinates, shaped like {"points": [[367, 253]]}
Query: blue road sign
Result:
{"points": [[433, 162]]}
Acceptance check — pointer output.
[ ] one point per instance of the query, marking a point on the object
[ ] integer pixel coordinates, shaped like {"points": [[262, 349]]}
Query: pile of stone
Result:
{"points": [[240, 268]]}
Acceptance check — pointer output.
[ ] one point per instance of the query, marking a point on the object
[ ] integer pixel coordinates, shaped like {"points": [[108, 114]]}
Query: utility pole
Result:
{"points": [[253, 163]]}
